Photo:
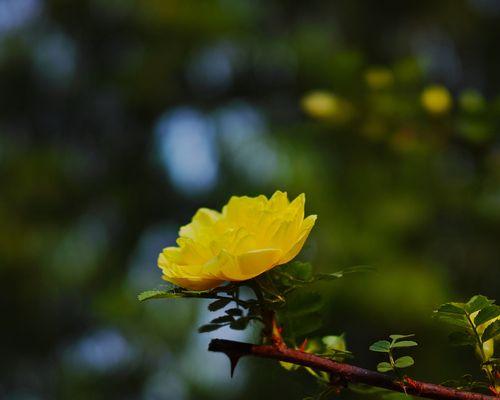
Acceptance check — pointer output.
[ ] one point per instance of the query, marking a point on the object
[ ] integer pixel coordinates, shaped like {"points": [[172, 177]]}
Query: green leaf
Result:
{"points": [[302, 326], [461, 339], [486, 314], [218, 304], [303, 302], [222, 320], [491, 331], [452, 319], [384, 367], [344, 272], [234, 312], [404, 362], [452, 308], [298, 270], [477, 303], [397, 337], [492, 361], [405, 343], [335, 342], [289, 366], [239, 324], [382, 346], [158, 294], [209, 328]]}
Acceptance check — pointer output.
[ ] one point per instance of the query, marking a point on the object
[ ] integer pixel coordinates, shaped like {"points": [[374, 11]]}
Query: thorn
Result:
{"points": [[276, 337], [303, 345], [233, 359], [233, 350], [411, 383]]}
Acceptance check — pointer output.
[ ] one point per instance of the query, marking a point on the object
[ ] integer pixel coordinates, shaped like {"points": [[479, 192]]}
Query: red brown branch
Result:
{"points": [[349, 373]]}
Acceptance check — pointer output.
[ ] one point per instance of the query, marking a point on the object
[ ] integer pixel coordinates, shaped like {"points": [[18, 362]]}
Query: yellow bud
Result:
{"points": [[436, 99]]}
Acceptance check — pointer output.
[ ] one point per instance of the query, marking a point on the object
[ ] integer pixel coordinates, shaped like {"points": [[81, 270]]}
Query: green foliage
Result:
{"points": [[478, 322], [344, 272], [284, 293], [459, 338], [491, 332], [404, 362], [384, 367], [466, 382], [282, 290], [298, 308], [218, 304], [477, 303], [477, 311], [335, 348], [332, 347], [208, 328], [157, 294], [297, 271], [487, 314], [384, 346]]}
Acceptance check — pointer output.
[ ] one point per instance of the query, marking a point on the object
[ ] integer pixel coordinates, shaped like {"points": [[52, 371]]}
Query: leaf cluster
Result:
{"points": [[298, 308], [281, 290], [238, 313], [468, 318], [476, 323], [388, 347]]}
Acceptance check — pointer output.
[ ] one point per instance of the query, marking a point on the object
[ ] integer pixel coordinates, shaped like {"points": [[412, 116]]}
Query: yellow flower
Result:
{"points": [[321, 104], [250, 236], [436, 99]]}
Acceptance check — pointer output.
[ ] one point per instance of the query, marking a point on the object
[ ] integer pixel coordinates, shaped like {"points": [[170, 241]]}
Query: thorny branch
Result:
{"points": [[345, 372]]}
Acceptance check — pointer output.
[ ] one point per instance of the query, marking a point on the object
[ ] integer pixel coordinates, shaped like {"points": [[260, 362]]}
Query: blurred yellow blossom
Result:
{"points": [[327, 106], [321, 104], [379, 77], [436, 99], [250, 236]]}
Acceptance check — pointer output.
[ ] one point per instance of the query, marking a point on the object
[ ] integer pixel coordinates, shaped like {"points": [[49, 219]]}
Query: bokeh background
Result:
{"points": [[119, 118]]}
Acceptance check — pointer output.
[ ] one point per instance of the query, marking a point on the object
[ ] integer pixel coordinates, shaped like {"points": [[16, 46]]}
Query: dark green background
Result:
{"points": [[118, 119]]}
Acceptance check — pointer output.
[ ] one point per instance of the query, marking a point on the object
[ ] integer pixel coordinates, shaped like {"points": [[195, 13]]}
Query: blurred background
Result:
{"points": [[118, 119]]}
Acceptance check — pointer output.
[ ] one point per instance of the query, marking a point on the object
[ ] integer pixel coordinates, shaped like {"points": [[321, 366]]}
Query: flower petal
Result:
{"points": [[256, 262], [279, 201], [224, 266], [306, 229]]}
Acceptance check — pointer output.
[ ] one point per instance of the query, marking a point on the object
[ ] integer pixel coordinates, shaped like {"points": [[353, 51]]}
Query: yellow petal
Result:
{"points": [[292, 253], [206, 216], [278, 201], [308, 223], [224, 266], [172, 254], [256, 262], [297, 205], [283, 235]]}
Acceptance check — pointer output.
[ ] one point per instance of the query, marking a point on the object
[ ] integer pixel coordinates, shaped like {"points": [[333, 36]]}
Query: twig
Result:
{"points": [[348, 373]]}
